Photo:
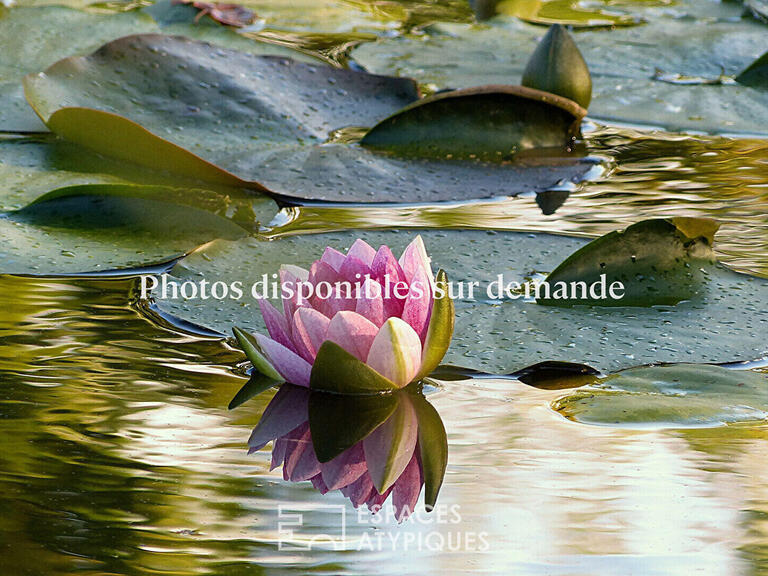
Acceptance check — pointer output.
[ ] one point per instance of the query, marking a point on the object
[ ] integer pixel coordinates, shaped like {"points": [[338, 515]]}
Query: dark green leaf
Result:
{"points": [[655, 262], [336, 370]]}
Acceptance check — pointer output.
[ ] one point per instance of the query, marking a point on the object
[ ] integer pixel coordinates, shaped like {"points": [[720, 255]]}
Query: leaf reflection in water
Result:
{"points": [[368, 447]]}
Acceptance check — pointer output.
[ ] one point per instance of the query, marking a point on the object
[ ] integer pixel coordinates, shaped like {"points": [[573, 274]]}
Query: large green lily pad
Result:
{"points": [[99, 228], [33, 38], [663, 73], [210, 113], [676, 396], [725, 321]]}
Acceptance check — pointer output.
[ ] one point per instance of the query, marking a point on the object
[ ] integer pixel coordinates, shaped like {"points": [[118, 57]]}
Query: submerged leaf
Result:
{"points": [[557, 66], [675, 396], [99, 228]]}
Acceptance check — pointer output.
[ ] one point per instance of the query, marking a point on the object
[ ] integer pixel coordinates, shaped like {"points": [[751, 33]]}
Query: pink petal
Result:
{"points": [[345, 468], [415, 256], [309, 332], [301, 462], [370, 305], [390, 447], [376, 501], [333, 258], [318, 484], [361, 250], [388, 272], [385, 265], [292, 276], [331, 296], [354, 270], [287, 410], [418, 305], [396, 352], [279, 448], [276, 324], [352, 332], [290, 365], [405, 492], [360, 490]]}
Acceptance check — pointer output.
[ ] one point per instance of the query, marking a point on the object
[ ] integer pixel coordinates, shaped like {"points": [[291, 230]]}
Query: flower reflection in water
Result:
{"points": [[368, 447]]}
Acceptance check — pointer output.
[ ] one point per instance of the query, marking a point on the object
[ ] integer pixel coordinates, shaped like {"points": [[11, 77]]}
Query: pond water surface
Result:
{"points": [[118, 454]]}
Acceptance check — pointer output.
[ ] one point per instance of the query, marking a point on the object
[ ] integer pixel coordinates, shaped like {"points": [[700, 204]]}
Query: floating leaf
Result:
{"points": [[226, 124], [488, 123], [726, 320], [675, 396], [339, 421], [651, 262], [759, 8], [557, 66], [31, 39], [706, 41], [84, 229]]}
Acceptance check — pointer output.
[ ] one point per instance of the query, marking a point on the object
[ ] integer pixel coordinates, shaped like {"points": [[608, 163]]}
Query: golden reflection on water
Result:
{"points": [[118, 456], [647, 175]]}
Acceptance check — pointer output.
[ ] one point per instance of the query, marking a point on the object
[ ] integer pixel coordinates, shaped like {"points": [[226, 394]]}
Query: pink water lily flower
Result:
{"points": [[375, 307]]}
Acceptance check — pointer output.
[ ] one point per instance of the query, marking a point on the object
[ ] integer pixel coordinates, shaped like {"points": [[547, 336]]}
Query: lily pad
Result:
{"points": [[725, 321], [93, 228], [628, 67], [211, 112], [33, 38], [673, 396], [653, 262]]}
